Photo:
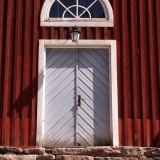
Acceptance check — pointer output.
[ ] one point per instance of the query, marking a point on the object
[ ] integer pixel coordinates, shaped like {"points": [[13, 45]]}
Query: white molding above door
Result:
{"points": [[111, 44]]}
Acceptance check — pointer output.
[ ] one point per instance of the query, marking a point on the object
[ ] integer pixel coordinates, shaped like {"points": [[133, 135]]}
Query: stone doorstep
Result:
{"points": [[33, 151], [27, 157], [78, 157], [122, 158], [73, 157], [18, 157], [135, 152], [115, 158], [100, 153], [36, 151], [68, 157]]}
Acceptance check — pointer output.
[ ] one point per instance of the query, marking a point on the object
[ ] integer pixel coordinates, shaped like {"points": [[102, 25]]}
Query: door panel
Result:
{"points": [[94, 113], [66, 123], [59, 115]]}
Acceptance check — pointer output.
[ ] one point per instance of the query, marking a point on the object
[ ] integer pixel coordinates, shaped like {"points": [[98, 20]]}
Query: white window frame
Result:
{"points": [[81, 22], [111, 44]]}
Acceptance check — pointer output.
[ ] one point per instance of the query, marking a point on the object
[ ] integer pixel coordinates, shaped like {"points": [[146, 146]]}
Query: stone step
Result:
{"points": [[135, 152], [77, 157], [73, 157], [83, 153], [67, 157], [27, 157]]}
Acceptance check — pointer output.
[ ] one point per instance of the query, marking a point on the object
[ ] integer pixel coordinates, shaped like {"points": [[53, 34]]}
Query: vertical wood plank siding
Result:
{"points": [[137, 32]]}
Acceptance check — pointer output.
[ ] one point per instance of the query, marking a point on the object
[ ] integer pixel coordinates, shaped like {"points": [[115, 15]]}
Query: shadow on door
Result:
{"points": [[91, 126]]}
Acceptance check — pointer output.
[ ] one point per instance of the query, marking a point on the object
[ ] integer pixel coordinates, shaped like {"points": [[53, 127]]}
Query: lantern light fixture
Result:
{"points": [[75, 34]]}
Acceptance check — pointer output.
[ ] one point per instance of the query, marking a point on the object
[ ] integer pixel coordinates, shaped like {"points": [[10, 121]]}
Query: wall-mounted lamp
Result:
{"points": [[75, 34]]}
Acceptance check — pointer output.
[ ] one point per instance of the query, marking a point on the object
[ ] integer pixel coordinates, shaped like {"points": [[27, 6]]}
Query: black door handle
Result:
{"points": [[79, 100]]}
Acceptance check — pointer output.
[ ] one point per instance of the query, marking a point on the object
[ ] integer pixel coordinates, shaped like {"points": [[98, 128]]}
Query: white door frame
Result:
{"points": [[111, 44]]}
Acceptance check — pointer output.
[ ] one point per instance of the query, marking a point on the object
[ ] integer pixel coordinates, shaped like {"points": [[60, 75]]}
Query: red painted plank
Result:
{"points": [[158, 51], [121, 131], [18, 66], [69, 31], [61, 36], [84, 33], [15, 87], [153, 68], [1, 130], [2, 20], [157, 15], [96, 32], [101, 33], [11, 74], [117, 34], [149, 133], [156, 140], [109, 32], [126, 69], [51, 33], [2, 49], [130, 128], [43, 33], [140, 132], [56, 33], [88, 33], [26, 73], [105, 33], [5, 129], [135, 58], [144, 82], [91, 33], [34, 76], [48, 32]]}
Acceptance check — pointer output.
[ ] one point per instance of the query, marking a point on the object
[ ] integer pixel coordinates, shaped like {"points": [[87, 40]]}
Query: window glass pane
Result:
{"points": [[56, 10], [80, 10], [68, 15], [68, 3], [85, 15], [97, 10], [85, 3], [73, 10]]}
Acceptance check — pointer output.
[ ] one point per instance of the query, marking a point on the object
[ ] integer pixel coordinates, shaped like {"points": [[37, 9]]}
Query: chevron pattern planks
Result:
{"points": [[65, 123], [59, 115], [93, 128]]}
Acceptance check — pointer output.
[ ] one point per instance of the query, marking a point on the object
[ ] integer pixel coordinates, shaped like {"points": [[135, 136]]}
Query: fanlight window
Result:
{"points": [[76, 9], [77, 12]]}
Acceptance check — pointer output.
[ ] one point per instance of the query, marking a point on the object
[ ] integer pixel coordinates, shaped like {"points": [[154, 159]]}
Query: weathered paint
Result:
{"points": [[137, 32]]}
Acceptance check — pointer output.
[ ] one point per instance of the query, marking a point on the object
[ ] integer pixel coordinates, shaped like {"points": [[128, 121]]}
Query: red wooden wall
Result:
{"points": [[137, 32]]}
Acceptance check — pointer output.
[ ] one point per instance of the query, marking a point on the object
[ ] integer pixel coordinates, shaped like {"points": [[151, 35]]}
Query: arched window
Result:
{"points": [[76, 9], [77, 12]]}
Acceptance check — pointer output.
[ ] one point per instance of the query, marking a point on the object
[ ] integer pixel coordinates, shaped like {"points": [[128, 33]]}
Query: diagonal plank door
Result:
{"points": [[69, 73], [93, 127], [59, 112]]}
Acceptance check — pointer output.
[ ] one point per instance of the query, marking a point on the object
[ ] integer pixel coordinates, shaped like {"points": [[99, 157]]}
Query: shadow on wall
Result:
{"points": [[156, 142], [26, 97]]}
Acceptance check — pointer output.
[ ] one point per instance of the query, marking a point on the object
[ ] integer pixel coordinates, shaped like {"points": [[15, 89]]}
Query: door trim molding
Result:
{"points": [[111, 44]]}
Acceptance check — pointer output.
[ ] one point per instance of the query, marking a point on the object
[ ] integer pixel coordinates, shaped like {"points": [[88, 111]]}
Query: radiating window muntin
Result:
{"points": [[76, 9]]}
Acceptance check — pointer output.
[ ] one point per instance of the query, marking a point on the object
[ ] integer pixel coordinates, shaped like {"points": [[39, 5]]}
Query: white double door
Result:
{"points": [[77, 107]]}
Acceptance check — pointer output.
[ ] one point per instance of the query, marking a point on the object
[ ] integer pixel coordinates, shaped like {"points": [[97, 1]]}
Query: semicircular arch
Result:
{"points": [[108, 21]]}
